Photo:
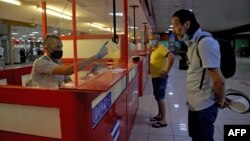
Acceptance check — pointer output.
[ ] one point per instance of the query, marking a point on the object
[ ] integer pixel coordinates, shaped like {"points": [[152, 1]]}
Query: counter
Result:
{"points": [[101, 109], [143, 67]]}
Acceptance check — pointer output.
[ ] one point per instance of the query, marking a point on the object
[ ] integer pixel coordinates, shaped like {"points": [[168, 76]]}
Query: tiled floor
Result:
{"points": [[177, 109]]}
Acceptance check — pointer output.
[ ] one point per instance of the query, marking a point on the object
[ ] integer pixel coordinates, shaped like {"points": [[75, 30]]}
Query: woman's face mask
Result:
{"points": [[153, 43]]}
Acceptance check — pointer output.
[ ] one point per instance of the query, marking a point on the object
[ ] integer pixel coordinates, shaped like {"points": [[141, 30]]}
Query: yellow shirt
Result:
{"points": [[158, 60]]}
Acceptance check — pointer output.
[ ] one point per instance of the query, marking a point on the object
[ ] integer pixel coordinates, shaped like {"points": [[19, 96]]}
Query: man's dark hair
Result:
{"points": [[186, 15], [48, 37]]}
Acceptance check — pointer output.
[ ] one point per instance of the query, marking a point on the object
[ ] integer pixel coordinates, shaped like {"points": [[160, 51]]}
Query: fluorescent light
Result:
{"points": [[15, 2], [55, 13], [59, 10], [170, 93], [14, 33], [171, 26], [170, 29], [132, 27], [116, 14], [100, 26], [176, 106], [120, 33], [35, 32]]}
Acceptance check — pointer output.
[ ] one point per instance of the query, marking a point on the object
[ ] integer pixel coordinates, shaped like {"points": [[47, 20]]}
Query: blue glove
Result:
{"points": [[94, 69], [103, 51]]}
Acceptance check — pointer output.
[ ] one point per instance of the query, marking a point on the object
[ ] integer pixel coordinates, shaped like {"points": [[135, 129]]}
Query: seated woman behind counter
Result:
{"points": [[49, 68]]}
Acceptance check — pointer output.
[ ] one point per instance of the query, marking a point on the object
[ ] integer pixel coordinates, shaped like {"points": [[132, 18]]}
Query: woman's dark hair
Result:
{"points": [[186, 15]]}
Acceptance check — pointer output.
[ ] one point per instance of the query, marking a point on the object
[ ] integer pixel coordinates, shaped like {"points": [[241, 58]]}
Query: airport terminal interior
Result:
{"points": [[111, 98]]}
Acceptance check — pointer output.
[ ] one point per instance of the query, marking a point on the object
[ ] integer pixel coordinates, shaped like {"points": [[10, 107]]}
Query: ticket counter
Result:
{"points": [[101, 109]]}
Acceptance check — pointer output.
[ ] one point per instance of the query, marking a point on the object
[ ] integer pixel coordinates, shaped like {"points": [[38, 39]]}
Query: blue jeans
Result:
{"points": [[201, 123], [159, 87]]}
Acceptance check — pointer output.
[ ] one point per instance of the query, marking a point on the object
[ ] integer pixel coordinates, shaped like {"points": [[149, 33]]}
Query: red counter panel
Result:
{"points": [[132, 103], [8, 76]]}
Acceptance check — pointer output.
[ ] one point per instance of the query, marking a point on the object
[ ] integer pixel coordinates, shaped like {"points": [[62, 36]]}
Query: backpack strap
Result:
{"points": [[197, 52]]}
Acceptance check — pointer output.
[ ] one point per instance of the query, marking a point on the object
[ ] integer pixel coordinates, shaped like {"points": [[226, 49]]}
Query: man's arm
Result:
{"points": [[68, 70], [170, 61], [219, 85]]}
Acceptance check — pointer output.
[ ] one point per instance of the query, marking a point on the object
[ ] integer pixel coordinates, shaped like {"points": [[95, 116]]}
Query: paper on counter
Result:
{"points": [[117, 70]]}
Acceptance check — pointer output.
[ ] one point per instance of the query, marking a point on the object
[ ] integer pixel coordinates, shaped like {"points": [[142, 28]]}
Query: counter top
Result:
{"points": [[100, 82], [14, 66]]}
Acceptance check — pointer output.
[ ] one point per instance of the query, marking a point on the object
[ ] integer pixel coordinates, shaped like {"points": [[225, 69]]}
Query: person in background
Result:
{"points": [[202, 103], [49, 67], [161, 61]]}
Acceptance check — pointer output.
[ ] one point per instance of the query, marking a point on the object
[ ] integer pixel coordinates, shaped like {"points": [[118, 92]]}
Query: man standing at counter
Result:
{"points": [[161, 61], [204, 60], [49, 68]]}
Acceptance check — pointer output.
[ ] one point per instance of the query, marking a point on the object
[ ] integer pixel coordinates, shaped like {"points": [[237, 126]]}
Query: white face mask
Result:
{"points": [[153, 43], [185, 39]]}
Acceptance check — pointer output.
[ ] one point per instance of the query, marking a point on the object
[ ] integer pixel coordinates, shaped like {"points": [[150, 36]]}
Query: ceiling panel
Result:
{"points": [[213, 15]]}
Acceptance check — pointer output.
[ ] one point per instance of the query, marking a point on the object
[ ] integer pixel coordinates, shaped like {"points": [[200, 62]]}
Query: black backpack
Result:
{"points": [[227, 62]]}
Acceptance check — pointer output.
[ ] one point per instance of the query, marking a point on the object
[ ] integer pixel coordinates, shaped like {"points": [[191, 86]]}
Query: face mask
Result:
{"points": [[185, 39], [153, 43], [57, 54]]}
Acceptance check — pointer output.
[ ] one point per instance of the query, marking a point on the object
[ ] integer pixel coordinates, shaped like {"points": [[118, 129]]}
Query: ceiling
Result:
{"points": [[213, 15], [87, 11]]}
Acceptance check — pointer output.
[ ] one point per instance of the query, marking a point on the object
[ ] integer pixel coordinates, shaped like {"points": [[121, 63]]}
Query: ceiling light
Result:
{"points": [[116, 14], [35, 32], [15, 2], [55, 13], [176, 106], [120, 33], [100, 26], [170, 29], [132, 27], [170, 93], [14, 33], [171, 26]]}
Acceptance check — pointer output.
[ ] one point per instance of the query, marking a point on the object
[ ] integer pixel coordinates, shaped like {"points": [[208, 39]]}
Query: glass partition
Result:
{"points": [[94, 26]]}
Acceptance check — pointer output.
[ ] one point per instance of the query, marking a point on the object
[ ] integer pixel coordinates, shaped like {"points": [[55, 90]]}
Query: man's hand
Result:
{"points": [[221, 103], [164, 73]]}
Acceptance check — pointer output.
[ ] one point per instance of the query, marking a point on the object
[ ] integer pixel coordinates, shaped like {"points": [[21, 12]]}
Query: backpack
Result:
{"points": [[227, 62]]}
